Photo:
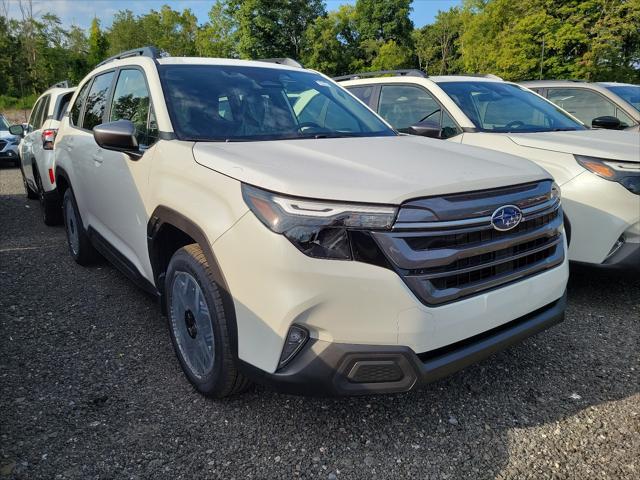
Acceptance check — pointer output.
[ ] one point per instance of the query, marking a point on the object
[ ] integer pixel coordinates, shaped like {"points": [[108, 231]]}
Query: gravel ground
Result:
{"points": [[90, 389]]}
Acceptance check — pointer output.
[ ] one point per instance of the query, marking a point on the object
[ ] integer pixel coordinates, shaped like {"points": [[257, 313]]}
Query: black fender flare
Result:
{"points": [[167, 216]]}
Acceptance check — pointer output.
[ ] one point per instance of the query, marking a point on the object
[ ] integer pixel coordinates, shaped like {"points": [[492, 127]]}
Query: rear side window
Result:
{"points": [[44, 113], [403, 106], [34, 113], [96, 102], [131, 102], [63, 104], [74, 114]]}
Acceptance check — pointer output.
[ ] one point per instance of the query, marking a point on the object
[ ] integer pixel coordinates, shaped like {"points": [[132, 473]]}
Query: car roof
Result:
{"points": [[225, 62], [58, 91]]}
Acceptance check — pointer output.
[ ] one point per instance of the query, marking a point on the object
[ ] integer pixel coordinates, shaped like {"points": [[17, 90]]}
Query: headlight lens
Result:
{"points": [[556, 193], [317, 228], [625, 173]]}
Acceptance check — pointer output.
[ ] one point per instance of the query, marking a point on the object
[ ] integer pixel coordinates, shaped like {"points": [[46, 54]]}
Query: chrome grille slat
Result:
{"points": [[455, 257]]}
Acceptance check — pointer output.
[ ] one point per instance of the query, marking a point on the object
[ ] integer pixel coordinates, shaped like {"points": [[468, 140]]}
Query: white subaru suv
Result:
{"points": [[598, 170], [307, 246], [36, 149]]}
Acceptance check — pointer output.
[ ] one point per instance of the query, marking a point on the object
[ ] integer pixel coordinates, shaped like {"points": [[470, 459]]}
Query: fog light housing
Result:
{"points": [[296, 338]]}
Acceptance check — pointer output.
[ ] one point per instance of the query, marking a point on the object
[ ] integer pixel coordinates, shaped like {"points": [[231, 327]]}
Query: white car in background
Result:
{"points": [[598, 170], [36, 149], [8, 144]]}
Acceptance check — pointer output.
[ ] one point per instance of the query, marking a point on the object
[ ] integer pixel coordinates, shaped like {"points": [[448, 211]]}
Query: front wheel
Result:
{"points": [[80, 246], [198, 325]]}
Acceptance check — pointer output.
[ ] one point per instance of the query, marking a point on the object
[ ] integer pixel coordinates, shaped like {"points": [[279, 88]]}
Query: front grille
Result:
{"points": [[444, 255]]}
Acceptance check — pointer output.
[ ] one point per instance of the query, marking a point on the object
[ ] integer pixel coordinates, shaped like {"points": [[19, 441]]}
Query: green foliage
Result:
{"points": [[218, 37], [583, 39], [273, 28], [97, 44]]}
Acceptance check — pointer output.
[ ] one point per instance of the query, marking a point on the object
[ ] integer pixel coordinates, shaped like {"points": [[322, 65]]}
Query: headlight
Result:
{"points": [[556, 193], [317, 228], [625, 173]]}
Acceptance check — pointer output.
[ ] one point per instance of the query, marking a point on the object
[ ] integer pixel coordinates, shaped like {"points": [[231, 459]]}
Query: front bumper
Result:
{"points": [[325, 368]]}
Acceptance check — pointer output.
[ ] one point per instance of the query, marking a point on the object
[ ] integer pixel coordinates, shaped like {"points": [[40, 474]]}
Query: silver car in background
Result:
{"points": [[609, 105]]}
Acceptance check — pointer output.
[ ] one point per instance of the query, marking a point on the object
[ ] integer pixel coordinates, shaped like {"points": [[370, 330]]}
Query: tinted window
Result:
{"points": [[35, 112], [131, 102], [63, 105], [582, 103], [97, 101], [227, 103], [363, 93], [631, 93], [74, 113], [403, 106], [504, 107], [43, 113]]}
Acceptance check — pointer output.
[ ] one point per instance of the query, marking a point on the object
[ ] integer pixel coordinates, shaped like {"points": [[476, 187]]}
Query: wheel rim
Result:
{"points": [[72, 228], [40, 190], [191, 324]]}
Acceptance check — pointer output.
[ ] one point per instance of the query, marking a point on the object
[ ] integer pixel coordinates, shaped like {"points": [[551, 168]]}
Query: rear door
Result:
{"points": [[32, 143]]}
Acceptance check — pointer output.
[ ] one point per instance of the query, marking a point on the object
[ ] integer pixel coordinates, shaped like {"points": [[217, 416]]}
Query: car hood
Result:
{"points": [[372, 169], [613, 144]]}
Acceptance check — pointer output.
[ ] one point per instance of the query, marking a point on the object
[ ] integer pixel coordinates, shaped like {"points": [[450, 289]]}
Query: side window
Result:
{"points": [[449, 126], [582, 103], [74, 113], [43, 113], [404, 105], [97, 101], [131, 102], [625, 120], [363, 93], [63, 105], [37, 108]]}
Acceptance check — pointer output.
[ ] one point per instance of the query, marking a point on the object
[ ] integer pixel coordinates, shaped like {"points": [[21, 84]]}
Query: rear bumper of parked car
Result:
{"points": [[325, 368], [351, 308]]}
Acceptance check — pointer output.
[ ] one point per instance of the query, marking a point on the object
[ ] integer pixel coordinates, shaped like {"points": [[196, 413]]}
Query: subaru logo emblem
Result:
{"points": [[505, 218]]}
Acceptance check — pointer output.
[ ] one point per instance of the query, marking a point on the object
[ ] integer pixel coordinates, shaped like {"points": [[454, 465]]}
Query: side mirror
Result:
{"points": [[426, 128], [17, 130], [606, 121], [119, 136]]}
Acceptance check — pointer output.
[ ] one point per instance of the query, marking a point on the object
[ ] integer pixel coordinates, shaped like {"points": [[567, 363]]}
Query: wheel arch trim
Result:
{"points": [[163, 215]]}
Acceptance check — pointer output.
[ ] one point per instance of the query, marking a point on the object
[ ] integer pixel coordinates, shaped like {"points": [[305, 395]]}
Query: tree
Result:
{"points": [[438, 45], [218, 37], [170, 30], [126, 32], [98, 45], [331, 43], [273, 28], [384, 20]]}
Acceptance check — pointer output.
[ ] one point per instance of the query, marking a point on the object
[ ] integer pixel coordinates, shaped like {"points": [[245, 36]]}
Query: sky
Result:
{"points": [[80, 12]]}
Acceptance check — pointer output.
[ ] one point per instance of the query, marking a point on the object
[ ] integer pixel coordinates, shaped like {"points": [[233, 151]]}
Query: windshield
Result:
{"points": [[3, 123], [503, 107], [237, 103], [631, 93]]}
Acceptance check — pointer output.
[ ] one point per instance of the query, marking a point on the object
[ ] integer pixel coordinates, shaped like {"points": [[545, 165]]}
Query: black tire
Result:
{"points": [[31, 194], [51, 209], [82, 251], [223, 378]]}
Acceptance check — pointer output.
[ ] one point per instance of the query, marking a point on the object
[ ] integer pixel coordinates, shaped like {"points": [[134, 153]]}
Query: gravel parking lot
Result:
{"points": [[90, 389]]}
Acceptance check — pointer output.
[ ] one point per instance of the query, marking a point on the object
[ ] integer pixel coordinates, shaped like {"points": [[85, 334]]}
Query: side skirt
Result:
{"points": [[121, 262]]}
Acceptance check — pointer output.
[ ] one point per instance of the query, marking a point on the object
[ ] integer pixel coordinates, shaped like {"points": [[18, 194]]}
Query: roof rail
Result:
{"points": [[151, 52], [62, 84], [398, 73], [289, 62]]}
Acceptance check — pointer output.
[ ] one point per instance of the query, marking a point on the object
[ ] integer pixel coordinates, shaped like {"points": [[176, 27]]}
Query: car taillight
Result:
{"points": [[48, 137], [52, 177]]}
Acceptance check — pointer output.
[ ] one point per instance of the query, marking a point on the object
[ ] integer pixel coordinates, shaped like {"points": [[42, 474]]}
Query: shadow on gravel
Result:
{"points": [[90, 388]]}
